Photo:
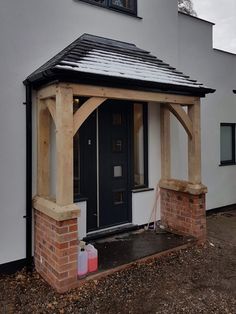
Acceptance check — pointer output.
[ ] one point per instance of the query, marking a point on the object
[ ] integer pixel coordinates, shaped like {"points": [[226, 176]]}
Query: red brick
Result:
{"points": [[57, 243], [73, 257], [73, 228], [62, 230], [67, 222], [183, 213], [67, 267], [67, 237], [61, 246], [74, 243]]}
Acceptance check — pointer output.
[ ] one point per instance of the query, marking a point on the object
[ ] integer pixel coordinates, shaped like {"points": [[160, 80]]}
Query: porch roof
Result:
{"points": [[93, 59]]}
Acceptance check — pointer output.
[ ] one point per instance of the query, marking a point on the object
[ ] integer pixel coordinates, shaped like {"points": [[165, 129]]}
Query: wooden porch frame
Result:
{"points": [[116, 93], [57, 99]]}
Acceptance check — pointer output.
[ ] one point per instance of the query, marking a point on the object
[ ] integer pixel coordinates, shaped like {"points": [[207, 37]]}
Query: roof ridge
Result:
{"points": [[108, 39]]}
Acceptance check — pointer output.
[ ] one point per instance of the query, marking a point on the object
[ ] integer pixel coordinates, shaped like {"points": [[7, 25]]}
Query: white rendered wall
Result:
{"points": [[217, 70], [31, 33], [82, 220]]}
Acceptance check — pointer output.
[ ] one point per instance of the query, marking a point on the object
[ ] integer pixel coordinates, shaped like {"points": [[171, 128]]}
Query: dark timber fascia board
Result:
{"points": [[126, 83]]}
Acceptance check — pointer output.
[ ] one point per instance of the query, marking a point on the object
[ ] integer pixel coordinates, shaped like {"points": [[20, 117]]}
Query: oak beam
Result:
{"points": [[194, 145], [64, 146], [128, 94], [85, 110], [165, 143], [43, 149], [183, 118], [51, 104], [47, 92]]}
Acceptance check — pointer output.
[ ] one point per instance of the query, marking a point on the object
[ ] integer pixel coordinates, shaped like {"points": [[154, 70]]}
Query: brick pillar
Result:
{"points": [[184, 213], [56, 248]]}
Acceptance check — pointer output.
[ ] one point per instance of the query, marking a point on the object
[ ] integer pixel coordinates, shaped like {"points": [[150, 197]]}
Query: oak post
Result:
{"points": [[165, 143], [64, 146], [43, 149], [51, 105], [194, 144]]}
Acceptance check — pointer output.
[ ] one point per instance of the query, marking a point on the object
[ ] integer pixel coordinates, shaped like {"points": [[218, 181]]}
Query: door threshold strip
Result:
{"points": [[104, 233]]}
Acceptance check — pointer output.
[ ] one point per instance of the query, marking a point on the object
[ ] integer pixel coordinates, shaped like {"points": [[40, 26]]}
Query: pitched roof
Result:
{"points": [[112, 59]]}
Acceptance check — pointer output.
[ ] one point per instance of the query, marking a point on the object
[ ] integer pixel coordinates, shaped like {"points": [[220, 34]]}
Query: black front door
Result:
{"points": [[114, 163], [103, 158]]}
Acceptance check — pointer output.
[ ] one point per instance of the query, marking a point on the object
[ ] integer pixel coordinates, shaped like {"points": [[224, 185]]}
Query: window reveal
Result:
{"points": [[227, 143]]}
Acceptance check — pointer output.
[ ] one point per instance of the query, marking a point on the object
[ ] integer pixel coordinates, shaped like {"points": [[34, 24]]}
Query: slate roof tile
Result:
{"points": [[111, 58]]}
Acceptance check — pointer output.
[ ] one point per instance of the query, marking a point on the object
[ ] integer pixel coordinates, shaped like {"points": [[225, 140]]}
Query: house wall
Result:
{"points": [[34, 31], [31, 33], [217, 70]]}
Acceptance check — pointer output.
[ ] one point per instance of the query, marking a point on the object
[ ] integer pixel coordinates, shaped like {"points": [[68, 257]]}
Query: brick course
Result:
{"points": [[184, 213], [56, 249]]}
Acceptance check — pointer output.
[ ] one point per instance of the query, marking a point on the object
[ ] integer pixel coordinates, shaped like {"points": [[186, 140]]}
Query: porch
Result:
{"points": [[57, 217]]}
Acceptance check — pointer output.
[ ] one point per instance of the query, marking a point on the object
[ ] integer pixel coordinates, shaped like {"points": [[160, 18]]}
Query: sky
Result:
{"points": [[223, 14]]}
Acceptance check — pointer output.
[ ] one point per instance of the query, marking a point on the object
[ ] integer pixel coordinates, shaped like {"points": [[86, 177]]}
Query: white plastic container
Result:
{"points": [[82, 263], [92, 258]]}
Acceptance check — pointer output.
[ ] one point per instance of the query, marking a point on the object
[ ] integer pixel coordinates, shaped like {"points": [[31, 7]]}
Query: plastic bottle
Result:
{"points": [[82, 263], [92, 258]]}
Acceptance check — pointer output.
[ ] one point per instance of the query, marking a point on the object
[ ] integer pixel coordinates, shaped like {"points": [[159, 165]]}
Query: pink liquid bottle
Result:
{"points": [[92, 258], [82, 263]]}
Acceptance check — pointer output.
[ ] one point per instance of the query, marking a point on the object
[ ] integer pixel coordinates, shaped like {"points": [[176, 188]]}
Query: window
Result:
{"points": [[227, 143], [77, 181], [78, 157], [127, 6], [140, 146]]}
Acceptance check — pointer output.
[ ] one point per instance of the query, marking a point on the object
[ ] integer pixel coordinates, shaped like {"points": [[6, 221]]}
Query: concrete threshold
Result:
{"points": [[143, 260], [122, 251]]}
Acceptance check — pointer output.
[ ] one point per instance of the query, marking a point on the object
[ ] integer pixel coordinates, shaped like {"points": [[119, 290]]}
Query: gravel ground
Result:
{"points": [[197, 280]]}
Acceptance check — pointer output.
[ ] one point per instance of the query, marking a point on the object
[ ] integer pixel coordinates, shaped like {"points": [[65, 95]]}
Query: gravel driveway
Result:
{"points": [[197, 280]]}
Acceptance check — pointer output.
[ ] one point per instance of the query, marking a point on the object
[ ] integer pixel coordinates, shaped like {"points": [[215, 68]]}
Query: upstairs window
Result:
{"points": [[127, 6], [227, 144]]}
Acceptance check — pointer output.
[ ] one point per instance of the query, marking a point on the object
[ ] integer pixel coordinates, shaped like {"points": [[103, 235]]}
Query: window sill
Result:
{"points": [[142, 190], [125, 13], [80, 199], [228, 164]]}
